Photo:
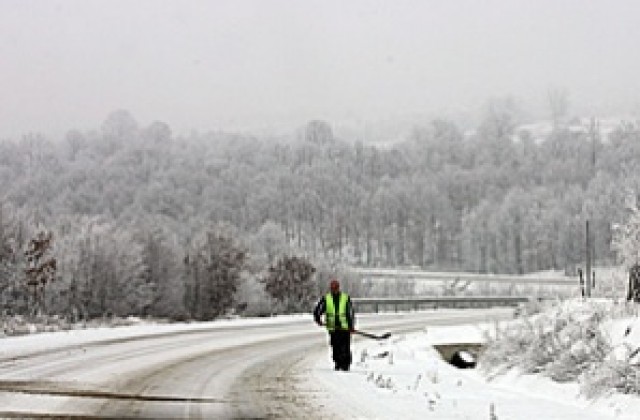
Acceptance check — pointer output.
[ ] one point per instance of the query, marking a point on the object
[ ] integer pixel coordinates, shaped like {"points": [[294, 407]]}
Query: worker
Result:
{"points": [[339, 319]]}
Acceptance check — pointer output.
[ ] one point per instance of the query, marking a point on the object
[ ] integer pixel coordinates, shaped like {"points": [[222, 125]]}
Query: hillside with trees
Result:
{"points": [[144, 222]]}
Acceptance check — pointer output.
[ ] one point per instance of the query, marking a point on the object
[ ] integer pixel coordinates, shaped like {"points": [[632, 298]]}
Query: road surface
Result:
{"points": [[248, 371]]}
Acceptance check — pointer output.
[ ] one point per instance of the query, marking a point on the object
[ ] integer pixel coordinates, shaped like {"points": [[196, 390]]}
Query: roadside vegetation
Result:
{"points": [[595, 343]]}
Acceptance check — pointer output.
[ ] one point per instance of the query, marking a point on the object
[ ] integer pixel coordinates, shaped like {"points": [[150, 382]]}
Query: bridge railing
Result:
{"points": [[463, 276], [417, 303]]}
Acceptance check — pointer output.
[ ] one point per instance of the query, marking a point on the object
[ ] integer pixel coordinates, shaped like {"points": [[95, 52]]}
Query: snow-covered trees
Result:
{"points": [[626, 241], [319, 132], [214, 267], [13, 296], [163, 271], [102, 270], [290, 283], [490, 200], [270, 241], [626, 244], [41, 268]]}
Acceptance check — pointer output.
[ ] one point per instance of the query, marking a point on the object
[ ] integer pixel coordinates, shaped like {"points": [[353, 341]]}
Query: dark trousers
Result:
{"points": [[340, 341]]}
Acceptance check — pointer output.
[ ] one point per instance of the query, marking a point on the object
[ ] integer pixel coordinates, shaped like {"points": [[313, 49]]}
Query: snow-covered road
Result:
{"points": [[235, 369]]}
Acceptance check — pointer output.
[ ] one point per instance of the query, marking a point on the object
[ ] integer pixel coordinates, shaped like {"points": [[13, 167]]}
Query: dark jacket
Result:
{"points": [[321, 307]]}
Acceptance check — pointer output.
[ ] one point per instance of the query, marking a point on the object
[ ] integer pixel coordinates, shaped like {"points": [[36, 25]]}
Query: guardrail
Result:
{"points": [[434, 302], [472, 277]]}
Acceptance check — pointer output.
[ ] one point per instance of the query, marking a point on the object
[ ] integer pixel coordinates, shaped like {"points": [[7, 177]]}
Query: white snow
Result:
{"points": [[405, 377]]}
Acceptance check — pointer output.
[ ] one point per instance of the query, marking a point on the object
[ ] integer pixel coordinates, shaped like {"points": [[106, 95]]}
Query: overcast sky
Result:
{"points": [[244, 64]]}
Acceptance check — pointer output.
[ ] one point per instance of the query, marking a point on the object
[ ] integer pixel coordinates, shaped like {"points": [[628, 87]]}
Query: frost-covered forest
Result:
{"points": [[142, 221]]}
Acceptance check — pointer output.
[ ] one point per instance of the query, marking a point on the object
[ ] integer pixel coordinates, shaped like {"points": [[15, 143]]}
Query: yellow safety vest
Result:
{"points": [[330, 312]]}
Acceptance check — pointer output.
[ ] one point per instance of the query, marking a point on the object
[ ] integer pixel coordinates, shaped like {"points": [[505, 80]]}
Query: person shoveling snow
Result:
{"points": [[339, 319]]}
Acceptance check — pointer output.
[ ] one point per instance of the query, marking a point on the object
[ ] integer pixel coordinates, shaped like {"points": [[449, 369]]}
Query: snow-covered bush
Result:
{"points": [[290, 283], [21, 325], [566, 342], [580, 344], [618, 375]]}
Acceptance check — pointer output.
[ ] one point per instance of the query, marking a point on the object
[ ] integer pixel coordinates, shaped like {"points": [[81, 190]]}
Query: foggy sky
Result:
{"points": [[275, 63]]}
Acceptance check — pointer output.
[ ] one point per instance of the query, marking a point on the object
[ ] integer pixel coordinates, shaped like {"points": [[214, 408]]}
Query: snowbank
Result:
{"points": [[405, 377]]}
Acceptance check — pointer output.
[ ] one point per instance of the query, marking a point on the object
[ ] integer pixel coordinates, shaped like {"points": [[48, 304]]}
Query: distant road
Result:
{"points": [[229, 372]]}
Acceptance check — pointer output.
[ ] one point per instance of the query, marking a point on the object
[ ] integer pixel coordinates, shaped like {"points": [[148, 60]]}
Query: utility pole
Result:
{"points": [[588, 261]]}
